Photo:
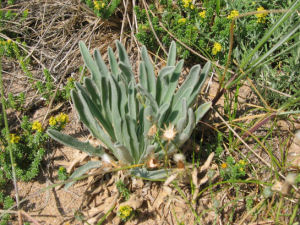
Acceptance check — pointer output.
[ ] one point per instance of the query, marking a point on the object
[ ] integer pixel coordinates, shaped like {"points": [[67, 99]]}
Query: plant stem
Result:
{"points": [[8, 137]]}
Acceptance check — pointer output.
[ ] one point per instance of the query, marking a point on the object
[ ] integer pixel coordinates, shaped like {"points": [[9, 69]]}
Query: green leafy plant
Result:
{"points": [[126, 213], [103, 8], [233, 170], [62, 173], [123, 190], [5, 203], [28, 147], [123, 114]]}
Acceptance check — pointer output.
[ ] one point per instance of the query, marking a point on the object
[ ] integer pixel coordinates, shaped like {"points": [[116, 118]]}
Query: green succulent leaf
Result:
{"points": [[74, 143], [82, 170]]}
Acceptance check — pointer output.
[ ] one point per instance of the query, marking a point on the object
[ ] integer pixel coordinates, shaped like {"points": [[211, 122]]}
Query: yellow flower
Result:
{"points": [[186, 3], [261, 17], [169, 133], [70, 79], [63, 118], [202, 14], [192, 6], [242, 169], [9, 41], [99, 5], [14, 138], [125, 211], [242, 162], [224, 165], [52, 121], [37, 126], [182, 21], [233, 14], [217, 48]]}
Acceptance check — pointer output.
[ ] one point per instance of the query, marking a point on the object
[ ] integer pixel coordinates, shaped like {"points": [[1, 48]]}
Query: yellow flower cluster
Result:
{"points": [[202, 14], [224, 165], [37, 126], [217, 48], [242, 162], [6, 42], [186, 3], [61, 118], [125, 212], [14, 138], [233, 14], [261, 17], [99, 5], [182, 21]]}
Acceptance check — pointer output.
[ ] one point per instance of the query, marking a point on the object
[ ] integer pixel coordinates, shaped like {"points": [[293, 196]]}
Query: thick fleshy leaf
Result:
{"points": [[201, 111], [172, 82], [82, 170], [123, 154], [123, 57], [162, 83], [155, 175], [151, 81], [113, 62], [74, 143], [172, 54]]}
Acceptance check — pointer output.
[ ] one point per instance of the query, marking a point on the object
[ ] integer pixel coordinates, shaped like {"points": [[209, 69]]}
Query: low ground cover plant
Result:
{"points": [[205, 27], [134, 120], [103, 8]]}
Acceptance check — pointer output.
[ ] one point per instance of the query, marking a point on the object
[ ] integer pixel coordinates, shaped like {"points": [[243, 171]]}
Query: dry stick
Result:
{"points": [[258, 156], [41, 37], [30, 218], [9, 139], [257, 92], [251, 211], [276, 91], [259, 124], [60, 81], [124, 19], [22, 212], [151, 26], [58, 54]]}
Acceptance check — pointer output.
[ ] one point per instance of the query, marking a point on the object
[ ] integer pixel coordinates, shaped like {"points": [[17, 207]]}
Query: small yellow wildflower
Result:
{"points": [[233, 14], [9, 41], [217, 48], [125, 212], [37, 126], [182, 21], [99, 5], [261, 17], [242, 169], [242, 162], [224, 165], [14, 138], [169, 133], [63, 118], [186, 3], [192, 6], [202, 14], [70, 79], [52, 121]]}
